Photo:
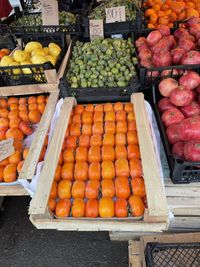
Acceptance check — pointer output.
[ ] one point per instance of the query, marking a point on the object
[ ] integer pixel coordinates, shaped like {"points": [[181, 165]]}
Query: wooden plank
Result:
{"points": [[154, 188], [182, 191], [185, 223], [13, 190], [30, 164], [126, 236], [134, 254], [40, 200], [26, 89], [51, 76], [85, 224], [64, 63], [186, 211]]}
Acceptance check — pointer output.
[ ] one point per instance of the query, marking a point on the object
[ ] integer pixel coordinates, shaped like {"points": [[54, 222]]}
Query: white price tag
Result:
{"points": [[6, 148], [115, 14], [96, 28], [50, 12]]}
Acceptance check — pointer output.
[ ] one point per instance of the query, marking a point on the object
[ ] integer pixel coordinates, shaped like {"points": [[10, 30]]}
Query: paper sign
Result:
{"points": [[115, 14], [96, 28], [6, 148], [50, 12]]}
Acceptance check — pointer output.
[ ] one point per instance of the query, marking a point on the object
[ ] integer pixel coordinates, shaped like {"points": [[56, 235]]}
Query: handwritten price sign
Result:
{"points": [[96, 28], [115, 14], [6, 148], [50, 12]]}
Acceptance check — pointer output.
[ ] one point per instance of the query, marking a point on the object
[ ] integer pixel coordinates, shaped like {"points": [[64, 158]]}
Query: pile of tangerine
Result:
{"points": [[17, 115], [99, 172]]}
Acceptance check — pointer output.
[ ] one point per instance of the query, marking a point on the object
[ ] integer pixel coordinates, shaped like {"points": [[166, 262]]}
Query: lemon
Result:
{"points": [[28, 56], [38, 59], [46, 50], [26, 70], [39, 52], [19, 56], [15, 71], [6, 60], [32, 46], [52, 59], [54, 49]]}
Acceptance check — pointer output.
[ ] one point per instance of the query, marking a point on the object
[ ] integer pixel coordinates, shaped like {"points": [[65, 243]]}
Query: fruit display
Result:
{"points": [[99, 172], [167, 12], [102, 63], [65, 18], [18, 117], [180, 109], [33, 53], [99, 11], [162, 49]]}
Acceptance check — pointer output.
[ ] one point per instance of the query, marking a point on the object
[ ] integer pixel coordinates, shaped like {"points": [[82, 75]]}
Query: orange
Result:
{"points": [[109, 127], [10, 173], [109, 139], [6, 51], [121, 208], [98, 107], [107, 188], [120, 139], [22, 100], [128, 107], [71, 142], [121, 115], [41, 107], [132, 138], [23, 115], [1, 173], [106, 207], [60, 161], [14, 133], [163, 20], [68, 155], [15, 158], [52, 204], [67, 171], [20, 165], [13, 114], [149, 12], [32, 99], [95, 140], [63, 208], [84, 140], [14, 106], [76, 118], [18, 145], [79, 109], [92, 189], [133, 152], [14, 122], [78, 189], [40, 99], [153, 18], [122, 188], [137, 206], [33, 106], [81, 171], [94, 171], [64, 189], [121, 127], [131, 116], [3, 133], [107, 153], [135, 168], [34, 116], [97, 128], [98, 116], [107, 170], [3, 103], [75, 129], [108, 107], [156, 7], [22, 107], [12, 100], [120, 152], [118, 106], [4, 162], [87, 117], [122, 167], [89, 107], [138, 186], [57, 174], [4, 122], [94, 154], [87, 129], [4, 113], [110, 116], [92, 208], [132, 126], [78, 207], [2, 54], [81, 154], [54, 190]]}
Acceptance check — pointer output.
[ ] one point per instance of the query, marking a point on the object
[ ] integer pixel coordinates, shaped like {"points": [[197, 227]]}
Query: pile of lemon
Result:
{"points": [[33, 53]]}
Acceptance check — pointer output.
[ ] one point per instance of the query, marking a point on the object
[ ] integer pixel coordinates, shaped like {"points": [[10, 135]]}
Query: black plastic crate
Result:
{"points": [[149, 76], [8, 41], [172, 254], [13, 75], [181, 172], [6, 26], [116, 27], [97, 94]]}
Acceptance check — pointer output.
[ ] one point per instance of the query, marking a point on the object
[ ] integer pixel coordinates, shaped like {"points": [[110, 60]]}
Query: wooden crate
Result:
{"points": [[156, 216], [136, 248], [32, 159], [183, 201]]}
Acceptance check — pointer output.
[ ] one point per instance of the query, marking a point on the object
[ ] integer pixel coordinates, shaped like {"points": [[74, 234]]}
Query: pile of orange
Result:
{"points": [[17, 115], [99, 172], [166, 12], [4, 52]]}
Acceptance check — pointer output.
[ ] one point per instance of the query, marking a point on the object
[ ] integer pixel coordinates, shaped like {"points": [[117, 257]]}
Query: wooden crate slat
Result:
{"points": [[40, 200], [29, 166], [13, 190], [154, 188]]}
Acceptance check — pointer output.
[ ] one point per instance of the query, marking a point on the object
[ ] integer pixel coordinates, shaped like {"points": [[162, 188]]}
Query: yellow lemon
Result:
{"points": [[51, 59], [19, 56], [26, 70], [38, 52], [46, 50], [15, 71], [38, 59], [6, 60], [32, 46], [54, 49]]}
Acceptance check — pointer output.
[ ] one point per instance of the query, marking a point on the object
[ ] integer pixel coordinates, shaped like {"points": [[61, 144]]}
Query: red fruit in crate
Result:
{"points": [[181, 96], [172, 116], [154, 37], [190, 79], [25, 128], [164, 104], [193, 109], [166, 86], [192, 151]]}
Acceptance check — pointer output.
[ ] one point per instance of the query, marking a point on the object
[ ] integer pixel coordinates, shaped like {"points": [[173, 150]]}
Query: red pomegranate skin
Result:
{"points": [[178, 150], [173, 133], [180, 96], [192, 151], [189, 129], [172, 116]]}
